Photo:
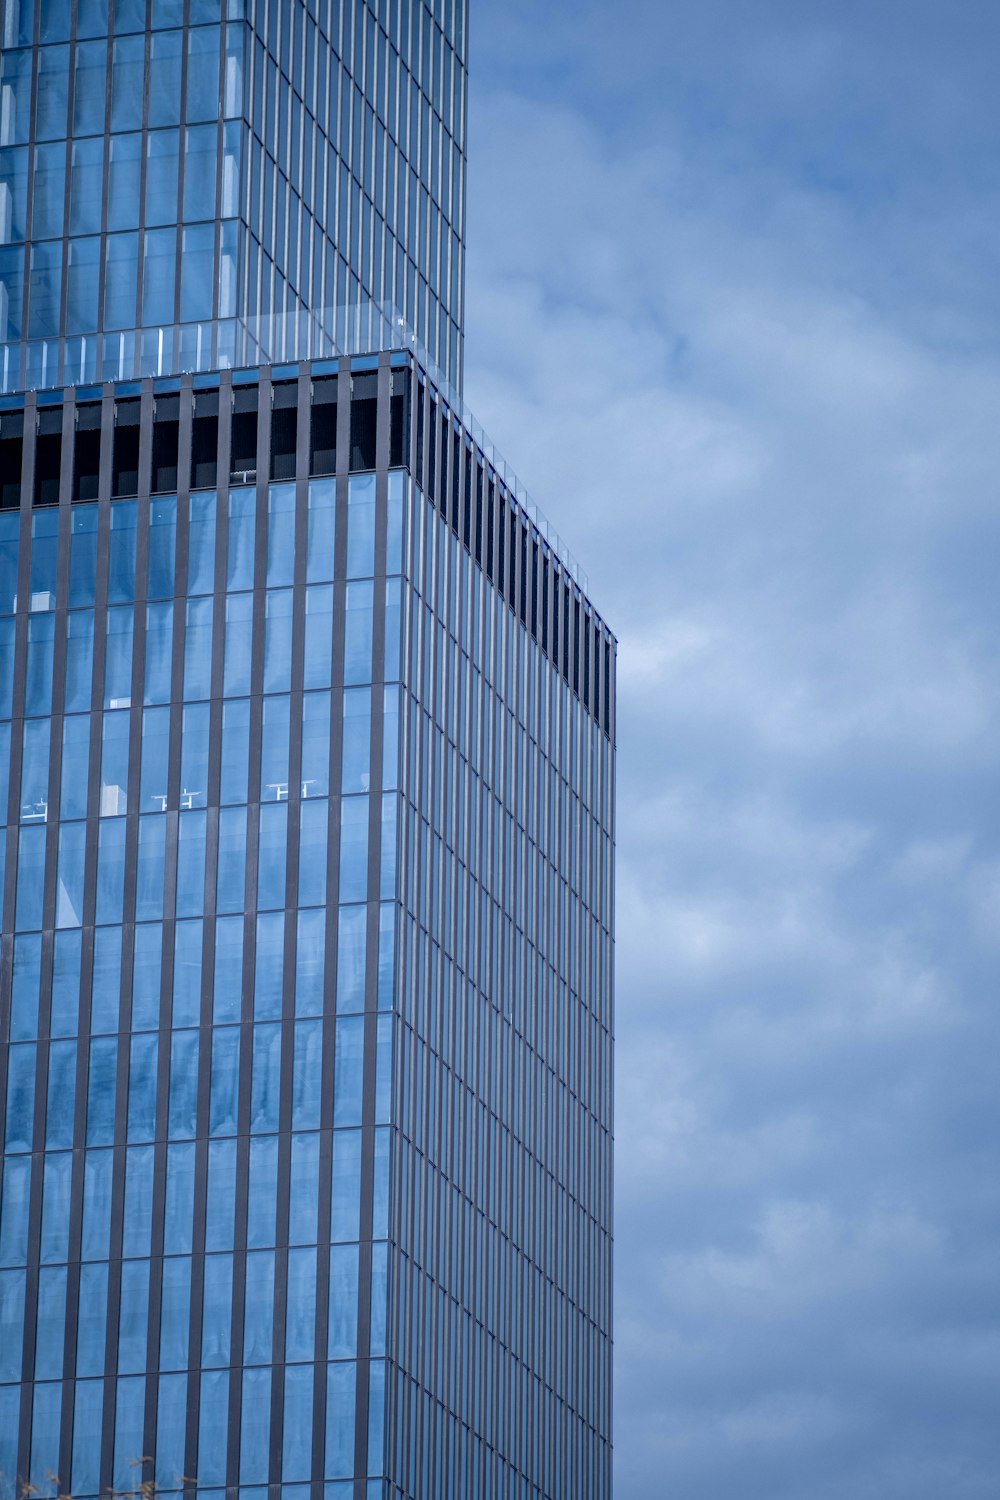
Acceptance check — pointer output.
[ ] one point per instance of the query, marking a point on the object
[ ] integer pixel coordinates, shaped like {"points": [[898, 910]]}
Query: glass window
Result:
{"points": [[121, 571], [53, 85], [213, 1408], [307, 1075], [266, 1077], [118, 660], [315, 769], [79, 676], [88, 1408], [11, 292], [304, 1187], [348, 1071], [269, 965], [340, 1401], [11, 1324], [15, 89], [278, 641], [150, 868], [48, 193], [21, 1062], [358, 633], [197, 272], [159, 645], [61, 1096], [162, 148], [300, 1315], [198, 648], [127, 75], [72, 844], [89, 90], [24, 996], [106, 979], [217, 1316], [83, 555], [194, 755], [83, 272], [274, 750], [13, 194], [101, 1091], [262, 1193], [162, 542], [280, 535], [114, 764], [137, 1220], [187, 974], [319, 558], [65, 984], [272, 855], [175, 1313], [183, 1111], [203, 75], [14, 1211], [356, 761], [255, 1425], [165, 78], [45, 291], [142, 1087], [86, 167], [132, 1316], [201, 544], [221, 1196], [351, 948], [146, 976], [361, 526], [190, 900], [35, 771], [179, 1198], [235, 751], [317, 665], [123, 181], [121, 262], [30, 873], [238, 644], [158, 268], [242, 513], [231, 860], [200, 158], [353, 849], [228, 992], [92, 17]]}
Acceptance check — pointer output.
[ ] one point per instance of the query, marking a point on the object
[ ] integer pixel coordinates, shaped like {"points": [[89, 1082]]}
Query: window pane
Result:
{"points": [[123, 182], [165, 78], [86, 167], [89, 90], [200, 154], [161, 177]]}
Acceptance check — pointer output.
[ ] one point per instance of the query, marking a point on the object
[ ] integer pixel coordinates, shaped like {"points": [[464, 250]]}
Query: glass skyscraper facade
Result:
{"points": [[189, 183], [306, 883]]}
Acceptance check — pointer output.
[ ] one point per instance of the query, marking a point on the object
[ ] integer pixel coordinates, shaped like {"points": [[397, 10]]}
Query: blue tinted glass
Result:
{"points": [[380, 1185], [61, 1095], [340, 1402], [175, 1313], [171, 1418], [72, 841], [91, 17], [88, 1406], [315, 768], [158, 264], [201, 543], [351, 946], [194, 756], [159, 647], [274, 750], [44, 542], [190, 900], [79, 684], [280, 534], [12, 287], [348, 1071], [307, 1075], [165, 78], [48, 193], [30, 872], [150, 868], [319, 558], [89, 88], [278, 641], [361, 526], [162, 541], [296, 1456], [354, 849], [269, 965], [162, 150], [15, 80], [84, 267], [110, 870], [86, 163], [387, 855], [187, 974], [53, 87], [235, 751], [83, 555], [184, 1050], [200, 157], [358, 633], [313, 823], [179, 1199], [45, 293], [231, 880], [356, 759], [24, 991], [272, 856], [262, 1191], [132, 1316], [106, 979], [258, 1324], [390, 738], [155, 760], [343, 1335], [124, 198], [213, 1408], [101, 1091], [146, 976], [45, 1415], [55, 1207], [197, 272], [7, 632], [14, 1211], [21, 1061], [221, 1196], [9, 526], [203, 75], [127, 70], [11, 1324], [266, 1076], [300, 1315], [217, 1318], [65, 984], [35, 771], [114, 764], [319, 636], [14, 177], [309, 963], [121, 571], [129, 1404], [242, 513], [118, 660], [255, 1426], [121, 263], [227, 1003], [394, 530], [96, 1229], [138, 1214], [239, 639], [198, 648]]}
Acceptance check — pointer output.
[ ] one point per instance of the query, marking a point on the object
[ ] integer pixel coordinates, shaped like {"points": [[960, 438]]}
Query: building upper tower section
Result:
{"points": [[188, 184]]}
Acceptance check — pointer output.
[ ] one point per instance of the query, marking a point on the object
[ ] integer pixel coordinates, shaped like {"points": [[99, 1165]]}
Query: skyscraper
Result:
{"points": [[306, 722]]}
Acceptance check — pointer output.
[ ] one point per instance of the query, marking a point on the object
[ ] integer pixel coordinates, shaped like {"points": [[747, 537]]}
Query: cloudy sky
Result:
{"points": [[734, 317]]}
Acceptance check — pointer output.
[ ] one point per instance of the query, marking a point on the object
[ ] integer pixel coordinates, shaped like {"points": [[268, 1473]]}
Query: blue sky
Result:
{"points": [[734, 316]]}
